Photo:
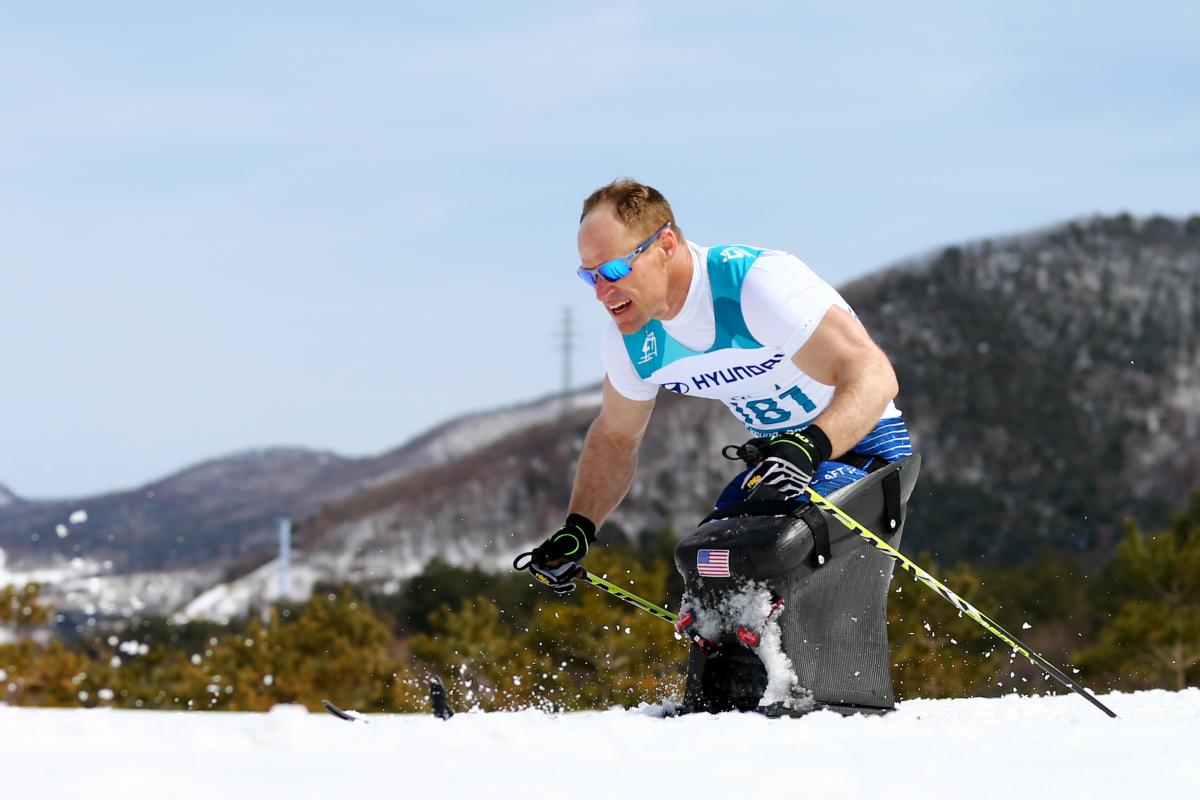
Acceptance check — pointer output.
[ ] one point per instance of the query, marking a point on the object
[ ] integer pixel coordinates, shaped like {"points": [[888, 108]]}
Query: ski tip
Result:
{"points": [[349, 716], [437, 699]]}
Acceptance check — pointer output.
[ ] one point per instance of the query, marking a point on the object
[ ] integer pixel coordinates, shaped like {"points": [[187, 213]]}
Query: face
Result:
{"points": [[642, 294]]}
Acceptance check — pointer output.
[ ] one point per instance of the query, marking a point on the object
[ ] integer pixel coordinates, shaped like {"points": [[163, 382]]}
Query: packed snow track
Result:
{"points": [[977, 748]]}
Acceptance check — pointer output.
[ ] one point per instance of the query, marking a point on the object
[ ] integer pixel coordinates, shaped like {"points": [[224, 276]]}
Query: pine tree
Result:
{"points": [[587, 650], [20, 607], [936, 650], [1153, 639]]}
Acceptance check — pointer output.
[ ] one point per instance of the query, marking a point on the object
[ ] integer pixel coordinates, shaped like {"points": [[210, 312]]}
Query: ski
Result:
{"points": [[441, 708], [438, 702], [340, 714]]}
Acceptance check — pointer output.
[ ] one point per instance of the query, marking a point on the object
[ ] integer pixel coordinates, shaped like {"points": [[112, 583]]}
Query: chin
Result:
{"points": [[630, 325]]}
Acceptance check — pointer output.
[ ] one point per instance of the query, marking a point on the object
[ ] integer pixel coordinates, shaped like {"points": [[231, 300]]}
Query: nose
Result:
{"points": [[603, 289]]}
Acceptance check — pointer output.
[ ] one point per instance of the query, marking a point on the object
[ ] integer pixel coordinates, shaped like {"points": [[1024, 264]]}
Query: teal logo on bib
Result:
{"points": [[730, 253], [649, 348]]}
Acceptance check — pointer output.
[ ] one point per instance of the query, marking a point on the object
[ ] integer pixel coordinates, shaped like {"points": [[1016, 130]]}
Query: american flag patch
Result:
{"points": [[713, 563]]}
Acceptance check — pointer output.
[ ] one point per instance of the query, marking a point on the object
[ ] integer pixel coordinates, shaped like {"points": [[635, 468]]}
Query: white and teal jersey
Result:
{"points": [[748, 310]]}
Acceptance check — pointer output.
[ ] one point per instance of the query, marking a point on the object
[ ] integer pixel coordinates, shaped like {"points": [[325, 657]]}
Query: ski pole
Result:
{"points": [[962, 605], [629, 597], [602, 584]]}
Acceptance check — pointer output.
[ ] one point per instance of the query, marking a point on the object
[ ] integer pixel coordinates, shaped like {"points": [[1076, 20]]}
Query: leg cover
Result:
{"points": [[791, 600]]}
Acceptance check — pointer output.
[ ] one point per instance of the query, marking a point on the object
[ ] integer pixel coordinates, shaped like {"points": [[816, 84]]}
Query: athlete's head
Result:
{"points": [[616, 219]]}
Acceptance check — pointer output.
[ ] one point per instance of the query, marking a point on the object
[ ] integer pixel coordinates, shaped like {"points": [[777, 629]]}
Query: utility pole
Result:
{"points": [[285, 559], [568, 346]]}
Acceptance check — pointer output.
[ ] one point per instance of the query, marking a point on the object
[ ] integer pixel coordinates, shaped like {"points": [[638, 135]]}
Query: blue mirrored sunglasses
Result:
{"points": [[618, 268]]}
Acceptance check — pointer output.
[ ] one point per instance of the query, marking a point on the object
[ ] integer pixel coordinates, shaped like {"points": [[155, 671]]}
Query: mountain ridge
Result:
{"points": [[1014, 362], [7, 496], [1051, 380], [225, 509]]}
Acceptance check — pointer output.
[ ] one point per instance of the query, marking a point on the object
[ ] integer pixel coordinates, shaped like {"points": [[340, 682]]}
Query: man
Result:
{"points": [[754, 328]]}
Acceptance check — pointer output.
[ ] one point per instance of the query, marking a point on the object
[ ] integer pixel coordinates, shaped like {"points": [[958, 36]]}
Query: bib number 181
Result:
{"points": [[768, 411]]}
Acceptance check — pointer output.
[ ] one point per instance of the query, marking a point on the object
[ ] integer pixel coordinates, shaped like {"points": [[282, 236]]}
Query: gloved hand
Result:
{"points": [[789, 463], [555, 562]]}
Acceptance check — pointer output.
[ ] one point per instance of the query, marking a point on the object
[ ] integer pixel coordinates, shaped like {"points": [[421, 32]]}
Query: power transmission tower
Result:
{"points": [[285, 560], [567, 335]]}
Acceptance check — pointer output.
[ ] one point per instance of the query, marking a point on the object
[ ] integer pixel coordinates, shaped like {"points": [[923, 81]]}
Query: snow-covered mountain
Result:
{"points": [[7, 497], [225, 508], [159, 546], [1050, 381]]}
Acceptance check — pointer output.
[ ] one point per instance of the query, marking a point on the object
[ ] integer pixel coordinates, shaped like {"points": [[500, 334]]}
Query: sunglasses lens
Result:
{"points": [[610, 270], [614, 270]]}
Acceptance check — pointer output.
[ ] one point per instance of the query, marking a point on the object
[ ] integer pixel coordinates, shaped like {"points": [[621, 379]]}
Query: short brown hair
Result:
{"points": [[641, 208]]}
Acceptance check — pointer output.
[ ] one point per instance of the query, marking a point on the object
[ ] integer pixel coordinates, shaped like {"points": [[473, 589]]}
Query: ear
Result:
{"points": [[670, 242]]}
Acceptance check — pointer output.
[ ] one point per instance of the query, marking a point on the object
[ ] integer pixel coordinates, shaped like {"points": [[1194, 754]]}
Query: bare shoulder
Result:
{"points": [[837, 339]]}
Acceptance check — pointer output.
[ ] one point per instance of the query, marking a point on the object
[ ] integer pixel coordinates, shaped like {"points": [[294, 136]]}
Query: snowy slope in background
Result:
{"points": [[89, 586], [223, 513], [59, 570], [473, 432], [235, 500], [375, 548], [224, 601], [979, 748]]}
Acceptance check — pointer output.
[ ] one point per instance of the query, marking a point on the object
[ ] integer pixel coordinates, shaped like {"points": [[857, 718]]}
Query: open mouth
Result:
{"points": [[616, 309]]}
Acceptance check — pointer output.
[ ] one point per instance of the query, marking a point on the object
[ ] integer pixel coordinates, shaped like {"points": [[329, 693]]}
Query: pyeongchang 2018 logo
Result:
{"points": [[722, 377]]}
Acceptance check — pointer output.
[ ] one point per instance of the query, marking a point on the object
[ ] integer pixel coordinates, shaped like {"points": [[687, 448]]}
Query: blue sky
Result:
{"points": [[335, 225]]}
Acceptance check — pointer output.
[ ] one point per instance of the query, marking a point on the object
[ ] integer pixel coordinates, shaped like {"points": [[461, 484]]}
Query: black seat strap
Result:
{"points": [[816, 522], [892, 506]]}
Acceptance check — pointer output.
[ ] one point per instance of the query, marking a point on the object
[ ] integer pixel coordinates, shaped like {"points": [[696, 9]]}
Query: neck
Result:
{"points": [[679, 280]]}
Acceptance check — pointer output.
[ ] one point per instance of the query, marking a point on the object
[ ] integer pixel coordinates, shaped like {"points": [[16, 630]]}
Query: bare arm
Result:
{"points": [[609, 458], [841, 354]]}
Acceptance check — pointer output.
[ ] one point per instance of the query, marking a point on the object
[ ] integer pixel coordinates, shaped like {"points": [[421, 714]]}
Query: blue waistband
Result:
{"points": [[888, 440]]}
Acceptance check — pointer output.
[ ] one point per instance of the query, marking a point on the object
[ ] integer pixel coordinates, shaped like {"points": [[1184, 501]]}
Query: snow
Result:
{"points": [[752, 608], [225, 601], [981, 748], [475, 431], [57, 572]]}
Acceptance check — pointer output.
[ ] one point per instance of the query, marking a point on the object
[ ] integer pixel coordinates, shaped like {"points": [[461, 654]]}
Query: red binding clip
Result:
{"points": [[748, 637]]}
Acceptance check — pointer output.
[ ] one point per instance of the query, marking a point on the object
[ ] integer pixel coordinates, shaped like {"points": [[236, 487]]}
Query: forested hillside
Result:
{"points": [[1052, 382]]}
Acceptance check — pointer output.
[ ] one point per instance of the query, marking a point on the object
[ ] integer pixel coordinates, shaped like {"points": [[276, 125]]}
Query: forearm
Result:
{"points": [[863, 392], [606, 469]]}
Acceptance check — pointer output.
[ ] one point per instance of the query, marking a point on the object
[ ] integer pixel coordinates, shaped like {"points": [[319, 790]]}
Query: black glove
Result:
{"points": [[789, 463], [555, 562]]}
